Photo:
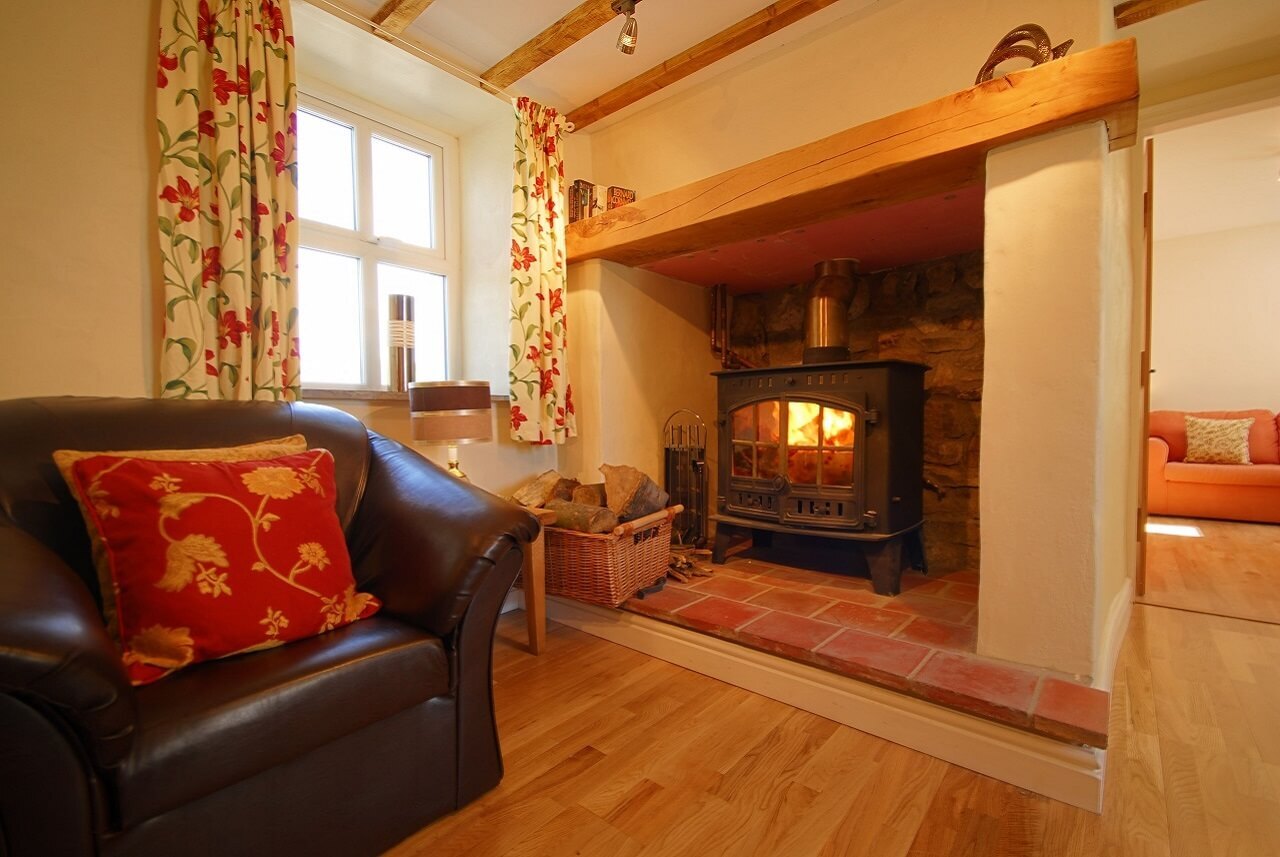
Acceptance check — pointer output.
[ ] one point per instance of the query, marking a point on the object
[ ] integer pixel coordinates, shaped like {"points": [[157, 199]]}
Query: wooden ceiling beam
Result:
{"points": [[578, 23], [395, 16], [1133, 11], [920, 152], [749, 30]]}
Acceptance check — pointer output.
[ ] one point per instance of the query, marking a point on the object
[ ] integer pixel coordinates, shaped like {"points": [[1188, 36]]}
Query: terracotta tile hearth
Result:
{"points": [[920, 642]]}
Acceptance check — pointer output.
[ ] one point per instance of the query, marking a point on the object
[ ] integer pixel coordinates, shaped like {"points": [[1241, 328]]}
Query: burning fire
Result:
{"points": [[837, 427], [808, 422]]}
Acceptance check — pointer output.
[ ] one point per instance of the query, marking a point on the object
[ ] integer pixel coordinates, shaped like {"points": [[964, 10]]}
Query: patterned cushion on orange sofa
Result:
{"points": [[214, 558], [1217, 441]]}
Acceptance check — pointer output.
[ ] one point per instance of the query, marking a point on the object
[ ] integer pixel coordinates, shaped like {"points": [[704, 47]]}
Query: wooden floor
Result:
{"points": [[610, 752], [1234, 570]]}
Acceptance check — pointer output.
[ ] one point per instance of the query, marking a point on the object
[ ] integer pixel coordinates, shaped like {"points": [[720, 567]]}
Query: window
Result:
{"points": [[371, 202]]}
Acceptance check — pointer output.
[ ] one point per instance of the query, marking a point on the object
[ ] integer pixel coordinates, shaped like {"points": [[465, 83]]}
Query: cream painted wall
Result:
{"points": [[1120, 413], [881, 59], [1042, 409], [641, 352], [76, 192], [1215, 301]]}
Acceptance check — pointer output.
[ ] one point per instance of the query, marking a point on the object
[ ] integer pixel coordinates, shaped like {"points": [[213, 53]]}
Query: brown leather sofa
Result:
{"points": [[341, 744]]}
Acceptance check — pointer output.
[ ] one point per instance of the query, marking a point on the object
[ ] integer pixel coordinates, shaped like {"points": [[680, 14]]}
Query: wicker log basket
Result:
{"points": [[609, 568]]}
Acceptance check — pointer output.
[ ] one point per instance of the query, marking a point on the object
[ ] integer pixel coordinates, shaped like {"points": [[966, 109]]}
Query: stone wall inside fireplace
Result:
{"points": [[930, 312]]}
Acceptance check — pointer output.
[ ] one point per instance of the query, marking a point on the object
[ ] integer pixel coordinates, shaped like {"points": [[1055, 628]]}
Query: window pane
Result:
{"points": [[427, 291], [402, 193], [743, 428], [329, 317], [326, 170], [803, 423], [837, 427], [802, 466], [837, 468], [767, 461], [769, 421], [742, 463]]}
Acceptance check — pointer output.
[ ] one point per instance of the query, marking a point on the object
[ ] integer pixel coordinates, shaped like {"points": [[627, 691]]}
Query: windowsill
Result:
{"points": [[329, 394]]}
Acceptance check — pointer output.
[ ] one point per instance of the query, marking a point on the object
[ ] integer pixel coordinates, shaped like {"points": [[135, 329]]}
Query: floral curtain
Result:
{"points": [[228, 187], [541, 396]]}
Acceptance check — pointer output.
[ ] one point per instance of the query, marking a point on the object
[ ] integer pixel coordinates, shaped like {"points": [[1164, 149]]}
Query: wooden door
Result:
{"points": [[1145, 370]]}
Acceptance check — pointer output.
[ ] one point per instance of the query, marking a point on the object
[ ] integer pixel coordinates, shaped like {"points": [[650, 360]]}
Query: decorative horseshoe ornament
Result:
{"points": [[1009, 47]]}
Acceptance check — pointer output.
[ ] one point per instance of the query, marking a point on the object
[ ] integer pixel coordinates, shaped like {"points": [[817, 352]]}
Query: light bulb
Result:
{"points": [[629, 36]]}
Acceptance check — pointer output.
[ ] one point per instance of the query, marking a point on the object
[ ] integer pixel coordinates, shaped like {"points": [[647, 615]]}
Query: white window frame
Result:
{"points": [[442, 258]]}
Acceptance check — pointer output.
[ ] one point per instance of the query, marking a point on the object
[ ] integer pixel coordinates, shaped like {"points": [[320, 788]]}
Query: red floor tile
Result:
{"points": [[842, 581], [934, 608], [862, 618], [794, 632], [994, 690], [1073, 712], [924, 587], [882, 660], [666, 601], [966, 592], [790, 601], [939, 635], [853, 596], [715, 613], [970, 577], [727, 587]]}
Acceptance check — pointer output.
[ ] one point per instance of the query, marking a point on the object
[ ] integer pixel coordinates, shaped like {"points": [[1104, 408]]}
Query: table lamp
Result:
{"points": [[450, 413]]}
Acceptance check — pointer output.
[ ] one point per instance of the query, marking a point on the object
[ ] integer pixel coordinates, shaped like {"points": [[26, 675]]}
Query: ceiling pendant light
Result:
{"points": [[630, 29]]}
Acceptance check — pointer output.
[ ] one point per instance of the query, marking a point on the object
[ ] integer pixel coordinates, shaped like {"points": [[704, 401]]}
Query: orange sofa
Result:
{"points": [[1233, 492]]}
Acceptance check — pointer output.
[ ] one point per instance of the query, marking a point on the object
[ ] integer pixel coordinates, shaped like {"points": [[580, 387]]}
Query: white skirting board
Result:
{"points": [[1065, 772]]}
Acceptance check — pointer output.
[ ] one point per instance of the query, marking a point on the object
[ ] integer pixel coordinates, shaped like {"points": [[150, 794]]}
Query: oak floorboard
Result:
{"points": [[610, 752], [1230, 571]]}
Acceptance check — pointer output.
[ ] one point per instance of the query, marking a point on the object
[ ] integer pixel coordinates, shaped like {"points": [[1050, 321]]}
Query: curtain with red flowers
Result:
{"points": [[541, 396], [226, 101]]}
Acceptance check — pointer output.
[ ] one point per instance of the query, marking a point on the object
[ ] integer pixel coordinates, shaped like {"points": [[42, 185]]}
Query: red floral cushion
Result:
{"points": [[215, 558]]}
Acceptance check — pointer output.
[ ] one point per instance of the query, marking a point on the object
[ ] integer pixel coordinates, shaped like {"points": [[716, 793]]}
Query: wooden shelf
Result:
{"points": [[919, 153]]}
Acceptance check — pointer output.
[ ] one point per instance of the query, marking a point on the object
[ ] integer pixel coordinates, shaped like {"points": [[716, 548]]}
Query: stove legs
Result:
{"points": [[727, 533], [724, 537], [916, 557], [885, 560], [888, 559]]}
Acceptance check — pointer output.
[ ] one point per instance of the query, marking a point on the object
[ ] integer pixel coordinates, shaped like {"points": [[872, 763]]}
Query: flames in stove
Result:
{"points": [[811, 424]]}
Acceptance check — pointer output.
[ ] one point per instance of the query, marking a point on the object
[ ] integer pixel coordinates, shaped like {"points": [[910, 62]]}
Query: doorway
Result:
{"points": [[1213, 475]]}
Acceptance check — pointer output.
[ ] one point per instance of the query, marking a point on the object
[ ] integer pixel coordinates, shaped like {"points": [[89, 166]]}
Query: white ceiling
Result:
{"points": [[1217, 175], [1204, 39], [476, 34], [342, 57]]}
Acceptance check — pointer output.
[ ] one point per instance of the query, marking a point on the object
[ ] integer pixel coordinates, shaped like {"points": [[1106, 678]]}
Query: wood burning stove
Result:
{"points": [[830, 449], [826, 448]]}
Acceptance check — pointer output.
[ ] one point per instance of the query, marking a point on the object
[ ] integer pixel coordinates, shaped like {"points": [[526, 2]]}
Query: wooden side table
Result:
{"points": [[534, 576]]}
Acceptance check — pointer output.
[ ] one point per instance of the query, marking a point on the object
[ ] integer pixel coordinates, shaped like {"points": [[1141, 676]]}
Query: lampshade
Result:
{"points": [[450, 412]]}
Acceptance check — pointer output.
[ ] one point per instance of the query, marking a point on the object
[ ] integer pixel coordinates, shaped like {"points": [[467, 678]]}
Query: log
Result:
{"points": [[549, 486], [582, 518], [631, 494], [591, 495]]}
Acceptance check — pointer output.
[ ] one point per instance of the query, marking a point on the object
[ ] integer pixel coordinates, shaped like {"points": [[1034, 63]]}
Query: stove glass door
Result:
{"points": [[820, 445]]}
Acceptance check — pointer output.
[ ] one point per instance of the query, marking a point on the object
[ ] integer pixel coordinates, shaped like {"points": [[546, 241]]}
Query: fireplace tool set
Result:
{"points": [[685, 475]]}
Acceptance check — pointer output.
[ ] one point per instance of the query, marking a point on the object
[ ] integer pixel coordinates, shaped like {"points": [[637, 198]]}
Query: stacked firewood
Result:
{"points": [[625, 494]]}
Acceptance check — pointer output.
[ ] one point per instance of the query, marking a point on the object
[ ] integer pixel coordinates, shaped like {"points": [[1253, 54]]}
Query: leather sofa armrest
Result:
{"points": [[424, 541], [1157, 486], [55, 651]]}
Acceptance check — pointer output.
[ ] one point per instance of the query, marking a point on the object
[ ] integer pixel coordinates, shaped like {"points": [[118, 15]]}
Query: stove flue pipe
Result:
{"points": [[826, 321]]}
